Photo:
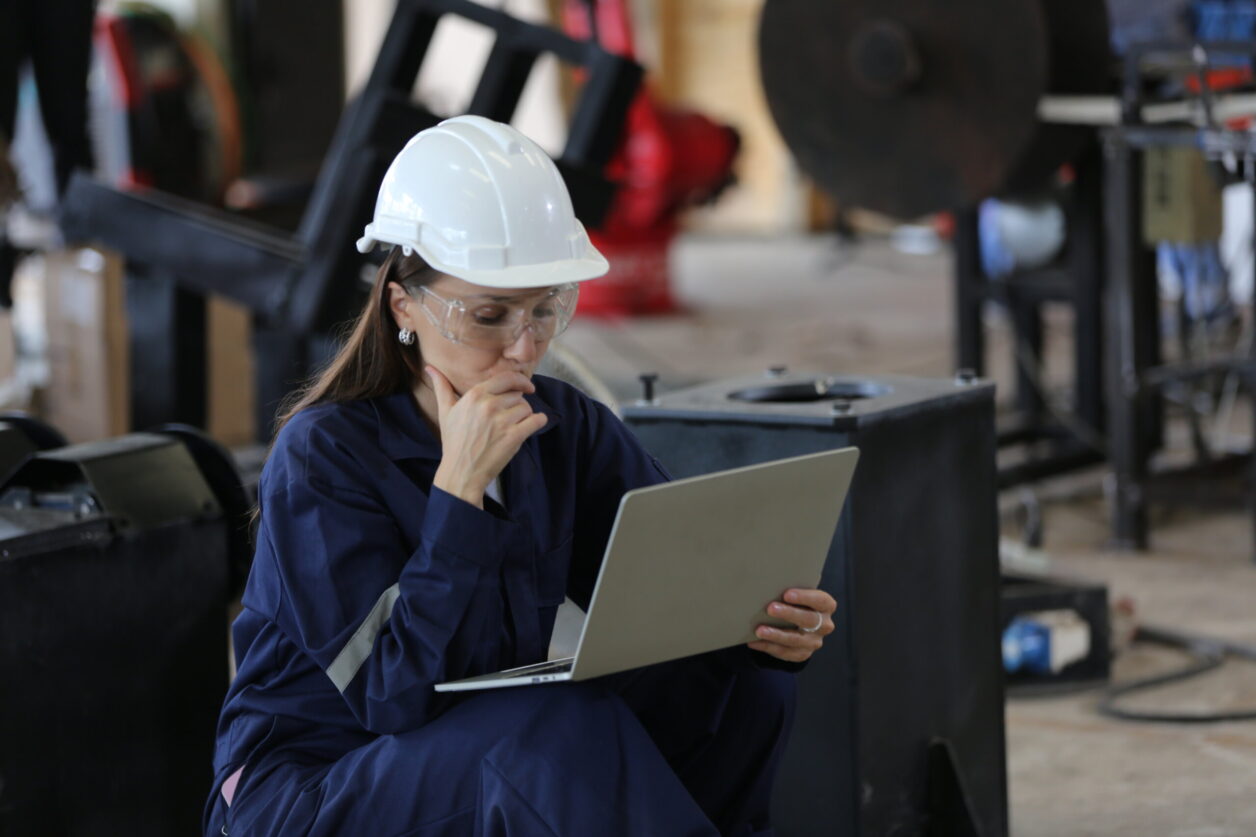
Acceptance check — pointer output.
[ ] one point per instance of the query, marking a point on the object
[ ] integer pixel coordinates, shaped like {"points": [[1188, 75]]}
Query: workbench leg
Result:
{"points": [[1123, 303], [1031, 367], [970, 294], [1086, 265], [168, 355]]}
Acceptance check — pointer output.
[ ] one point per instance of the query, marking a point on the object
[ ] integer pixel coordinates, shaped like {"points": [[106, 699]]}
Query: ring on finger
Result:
{"points": [[819, 624]]}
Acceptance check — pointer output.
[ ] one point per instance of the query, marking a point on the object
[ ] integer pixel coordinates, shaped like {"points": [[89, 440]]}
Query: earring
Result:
{"points": [[406, 337]]}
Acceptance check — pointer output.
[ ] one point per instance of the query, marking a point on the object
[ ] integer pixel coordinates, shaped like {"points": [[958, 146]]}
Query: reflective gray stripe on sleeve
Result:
{"points": [[350, 659]]}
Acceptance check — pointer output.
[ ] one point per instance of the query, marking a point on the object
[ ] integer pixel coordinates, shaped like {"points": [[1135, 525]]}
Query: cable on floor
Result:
{"points": [[1208, 653]]}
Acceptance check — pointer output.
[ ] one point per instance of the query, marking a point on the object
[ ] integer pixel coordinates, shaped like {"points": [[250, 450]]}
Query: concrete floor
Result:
{"points": [[813, 305]]}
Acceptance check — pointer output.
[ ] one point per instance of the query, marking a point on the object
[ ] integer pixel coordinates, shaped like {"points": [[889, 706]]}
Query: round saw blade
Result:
{"points": [[905, 107]]}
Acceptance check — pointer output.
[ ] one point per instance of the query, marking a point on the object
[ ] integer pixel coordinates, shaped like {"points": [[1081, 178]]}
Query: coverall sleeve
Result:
{"points": [[383, 622]]}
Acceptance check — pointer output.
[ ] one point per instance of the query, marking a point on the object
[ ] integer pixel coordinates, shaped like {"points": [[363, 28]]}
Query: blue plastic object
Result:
{"points": [[1204, 281], [1223, 20], [1027, 647]]}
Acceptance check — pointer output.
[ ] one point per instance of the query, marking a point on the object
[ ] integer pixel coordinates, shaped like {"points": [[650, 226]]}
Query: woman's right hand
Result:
{"points": [[481, 431]]}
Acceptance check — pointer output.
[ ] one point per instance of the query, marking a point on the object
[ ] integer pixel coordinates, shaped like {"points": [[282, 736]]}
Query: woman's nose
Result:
{"points": [[524, 347]]}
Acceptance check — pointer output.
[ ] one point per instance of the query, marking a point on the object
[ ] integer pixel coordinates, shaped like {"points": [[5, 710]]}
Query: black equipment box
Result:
{"points": [[900, 716], [1025, 594], [115, 569]]}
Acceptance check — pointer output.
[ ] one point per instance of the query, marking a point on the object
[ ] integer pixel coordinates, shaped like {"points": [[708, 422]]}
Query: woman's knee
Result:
{"points": [[578, 709], [567, 716], [570, 703]]}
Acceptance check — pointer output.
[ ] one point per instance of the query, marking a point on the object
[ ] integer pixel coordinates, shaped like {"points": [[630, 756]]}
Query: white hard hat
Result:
{"points": [[478, 200]]}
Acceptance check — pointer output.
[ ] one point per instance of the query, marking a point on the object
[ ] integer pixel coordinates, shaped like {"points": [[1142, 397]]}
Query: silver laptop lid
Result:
{"points": [[691, 564]]}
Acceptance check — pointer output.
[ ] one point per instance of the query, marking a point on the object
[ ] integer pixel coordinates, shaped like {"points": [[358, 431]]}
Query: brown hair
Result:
{"points": [[372, 362]]}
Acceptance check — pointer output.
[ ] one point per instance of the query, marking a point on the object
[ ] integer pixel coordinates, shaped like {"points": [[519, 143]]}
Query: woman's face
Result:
{"points": [[467, 365]]}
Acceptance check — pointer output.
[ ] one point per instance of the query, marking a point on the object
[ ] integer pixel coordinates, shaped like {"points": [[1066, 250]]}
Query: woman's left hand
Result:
{"points": [[811, 611]]}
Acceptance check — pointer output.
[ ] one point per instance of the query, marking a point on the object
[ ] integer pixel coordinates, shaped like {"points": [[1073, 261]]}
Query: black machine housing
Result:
{"points": [[115, 575], [900, 724]]}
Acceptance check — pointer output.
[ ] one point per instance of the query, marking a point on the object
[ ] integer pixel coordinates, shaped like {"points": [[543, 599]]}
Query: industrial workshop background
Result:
{"points": [[1004, 247]]}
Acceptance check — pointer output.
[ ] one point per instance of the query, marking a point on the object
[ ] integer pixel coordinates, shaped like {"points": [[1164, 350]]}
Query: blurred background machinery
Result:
{"points": [[669, 160], [300, 285], [921, 108], [118, 560], [632, 165], [22, 435]]}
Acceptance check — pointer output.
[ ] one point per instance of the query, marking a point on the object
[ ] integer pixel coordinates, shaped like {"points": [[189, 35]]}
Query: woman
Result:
{"points": [[426, 509]]}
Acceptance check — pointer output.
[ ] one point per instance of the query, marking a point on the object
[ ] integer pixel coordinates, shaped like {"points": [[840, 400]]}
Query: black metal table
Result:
{"points": [[1135, 374]]}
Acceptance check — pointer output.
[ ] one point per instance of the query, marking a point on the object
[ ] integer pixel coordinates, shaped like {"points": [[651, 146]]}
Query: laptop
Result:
{"points": [[739, 537]]}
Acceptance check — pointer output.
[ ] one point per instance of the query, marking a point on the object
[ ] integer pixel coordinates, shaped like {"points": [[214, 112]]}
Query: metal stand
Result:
{"points": [[1076, 279], [1136, 375], [1110, 279], [168, 351]]}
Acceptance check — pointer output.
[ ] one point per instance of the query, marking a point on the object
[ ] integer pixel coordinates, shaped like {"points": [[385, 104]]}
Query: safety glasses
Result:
{"points": [[494, 322]]}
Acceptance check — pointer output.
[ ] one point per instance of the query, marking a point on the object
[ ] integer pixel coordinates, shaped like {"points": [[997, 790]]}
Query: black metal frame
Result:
{"points": [[1076, 278], [1135, 373], [1110, 279], [299, 286]]}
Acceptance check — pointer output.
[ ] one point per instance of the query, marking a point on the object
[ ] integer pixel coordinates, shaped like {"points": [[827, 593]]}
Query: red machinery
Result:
{"points": [[164, 113], [670, 159]]}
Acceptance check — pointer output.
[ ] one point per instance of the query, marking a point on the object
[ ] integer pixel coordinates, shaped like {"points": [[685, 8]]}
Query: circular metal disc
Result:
{"points": [[943, 133]]}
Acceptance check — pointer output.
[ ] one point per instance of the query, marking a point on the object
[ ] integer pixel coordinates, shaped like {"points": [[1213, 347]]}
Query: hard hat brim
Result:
{"points": [[591, 266], [534, 276]]}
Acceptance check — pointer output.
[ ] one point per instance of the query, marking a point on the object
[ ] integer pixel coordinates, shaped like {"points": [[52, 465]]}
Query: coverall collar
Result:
{"points": [[404, 434]]}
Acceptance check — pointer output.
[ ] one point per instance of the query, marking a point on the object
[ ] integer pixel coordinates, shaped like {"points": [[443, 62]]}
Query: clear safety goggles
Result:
{"points": [[489, 322]]}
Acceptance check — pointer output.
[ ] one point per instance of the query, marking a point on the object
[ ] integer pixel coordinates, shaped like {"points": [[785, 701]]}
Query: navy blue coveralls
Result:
{"points": [[369, 585]]}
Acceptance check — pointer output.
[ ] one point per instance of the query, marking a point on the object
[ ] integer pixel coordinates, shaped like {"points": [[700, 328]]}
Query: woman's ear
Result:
{"points": [[401, 304]]}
